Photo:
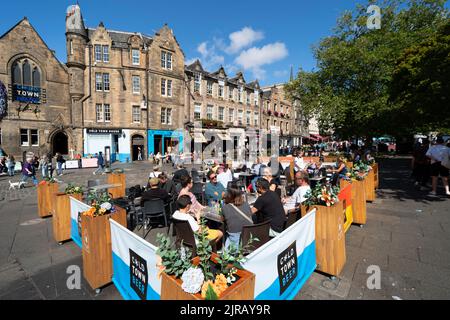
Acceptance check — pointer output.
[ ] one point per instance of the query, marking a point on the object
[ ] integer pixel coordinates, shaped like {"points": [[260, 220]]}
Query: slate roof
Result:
{"points": [[120, 38]]}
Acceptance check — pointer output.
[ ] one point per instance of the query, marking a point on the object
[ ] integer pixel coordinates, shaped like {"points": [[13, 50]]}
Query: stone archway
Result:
{"points": [[60, 143]]}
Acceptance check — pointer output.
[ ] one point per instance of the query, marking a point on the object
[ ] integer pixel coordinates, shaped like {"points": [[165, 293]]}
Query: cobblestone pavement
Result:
{"points": [[407, 236]]}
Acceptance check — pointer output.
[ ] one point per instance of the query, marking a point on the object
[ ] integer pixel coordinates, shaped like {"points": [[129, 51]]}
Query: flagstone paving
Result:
{"points": [[407, 236]]}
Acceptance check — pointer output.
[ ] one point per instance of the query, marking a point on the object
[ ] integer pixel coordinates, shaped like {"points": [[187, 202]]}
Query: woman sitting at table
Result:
{"points": [[339, 172], [274, 185], [184, 208], [186, 185], [237, 213]]}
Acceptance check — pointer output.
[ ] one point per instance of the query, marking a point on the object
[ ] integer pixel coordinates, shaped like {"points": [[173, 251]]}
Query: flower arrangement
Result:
{"points": [[322, 195], [100, 205], [208, 277], [48, 180], [72, 189]]}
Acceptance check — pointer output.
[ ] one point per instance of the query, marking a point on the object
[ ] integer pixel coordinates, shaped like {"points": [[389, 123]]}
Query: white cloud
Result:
{"points": [[254, 58], [208, 56], [243, 38], [203, 48]]}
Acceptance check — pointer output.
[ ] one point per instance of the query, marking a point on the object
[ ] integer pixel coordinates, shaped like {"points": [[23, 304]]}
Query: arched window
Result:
{"points": [[36, 78], [16, 74], [26, 68]]}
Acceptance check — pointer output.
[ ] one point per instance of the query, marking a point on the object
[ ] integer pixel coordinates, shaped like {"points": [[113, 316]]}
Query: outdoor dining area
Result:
{"points": [[230, 213]]}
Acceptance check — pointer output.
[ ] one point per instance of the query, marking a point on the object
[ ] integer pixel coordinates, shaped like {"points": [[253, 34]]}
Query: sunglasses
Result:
{"points": [[213, 177]]}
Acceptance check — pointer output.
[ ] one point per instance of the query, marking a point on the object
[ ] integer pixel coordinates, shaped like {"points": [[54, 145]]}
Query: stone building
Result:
{"points": [[127, 86], [278, 114], [39, 117], [227, 106]]}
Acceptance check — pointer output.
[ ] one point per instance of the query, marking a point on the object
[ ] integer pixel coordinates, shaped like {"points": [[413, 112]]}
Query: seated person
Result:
{"points": [[302, 183], [224, 176], [181, 172], [186, 186], [276, 172], [237, 213], [155, 173], [273, 183], [184, 208], [269, 207], [214, 191], [167, 184], [155, 192], [339, 172]]}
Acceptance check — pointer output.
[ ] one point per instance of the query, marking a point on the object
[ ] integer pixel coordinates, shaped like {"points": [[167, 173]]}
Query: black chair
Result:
{"points": [[154, 209], [184, 234], [197, 190], [260, 231], [291, 219]]}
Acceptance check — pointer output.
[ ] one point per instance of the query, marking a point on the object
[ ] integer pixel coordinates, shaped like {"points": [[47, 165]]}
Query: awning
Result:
{"points": [[199, 137], [224, 136], [311, 137], [316, 136]]}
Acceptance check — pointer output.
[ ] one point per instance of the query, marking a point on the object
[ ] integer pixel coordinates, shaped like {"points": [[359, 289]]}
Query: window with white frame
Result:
{"points": [[209, 112], [136, 56], [197, 111], [240, 116], [98, 53], [221, 113], [166, 87], [248, 96], [24, 138], [256, 118], [256, 97], [136, 114], [166, 116], [136, 84], [71, 47], [241, 94], [166, 60], [209, 88], [107, 109], [197, 81], [163, 87], [29, 135], [99, 112], [98, 82], [169, 88], [106, 82], [221, 88], [231, 115], [105, 53], [230, 93], [249, 117], [103, 112], [34, 134]]}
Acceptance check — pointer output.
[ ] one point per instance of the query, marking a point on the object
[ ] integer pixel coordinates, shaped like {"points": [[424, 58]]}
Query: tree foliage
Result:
{"points": [[357, 68]]}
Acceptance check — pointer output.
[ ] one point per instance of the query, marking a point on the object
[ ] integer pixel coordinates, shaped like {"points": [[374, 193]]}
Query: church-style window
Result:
{"points": [[17, 74], [26, 73], [36, 78]]}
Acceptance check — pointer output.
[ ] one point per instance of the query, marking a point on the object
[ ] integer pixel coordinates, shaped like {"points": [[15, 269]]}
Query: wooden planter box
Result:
{"points": [[369, 182], [61, 215], [113, 178], [243, 289], [45, 194], [97, 251], [359, 209], [330, 238], [329, 158], [375, 173]]}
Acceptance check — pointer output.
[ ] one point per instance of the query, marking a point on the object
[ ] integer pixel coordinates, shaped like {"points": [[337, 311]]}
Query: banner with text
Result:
{"points": [[135, 274], [76, 208], [283, 265]]}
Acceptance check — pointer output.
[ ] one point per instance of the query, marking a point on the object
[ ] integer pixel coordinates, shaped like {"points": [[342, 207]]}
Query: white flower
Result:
{"points": [[193, 279], [106, 206]]}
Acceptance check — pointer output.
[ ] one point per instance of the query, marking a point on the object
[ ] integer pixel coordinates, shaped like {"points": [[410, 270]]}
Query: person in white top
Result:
{"points": [[299, 163], [155, 173], [302, 182], [439, 153], [224, 177]]}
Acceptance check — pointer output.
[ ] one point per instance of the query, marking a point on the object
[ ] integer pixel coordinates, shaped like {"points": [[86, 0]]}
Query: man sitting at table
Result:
{"points": [[155, 192], [224, 176], [269, 207], [181, 172], [302, 183], [184, 208], [167, 184], [214, 191]]}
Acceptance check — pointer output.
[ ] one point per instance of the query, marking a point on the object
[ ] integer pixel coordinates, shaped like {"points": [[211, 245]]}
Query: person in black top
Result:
{"points": [[167, 184], [269, 207], [179, 174], [155, 192]]}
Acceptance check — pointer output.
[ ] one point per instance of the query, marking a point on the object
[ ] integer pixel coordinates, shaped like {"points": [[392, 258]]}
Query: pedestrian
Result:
{"points": [[28, 171], [10, 164], [438, 154], [421, 165], [59, 163], [100, 163], [43, 165], [139, 154], [51, 164]]}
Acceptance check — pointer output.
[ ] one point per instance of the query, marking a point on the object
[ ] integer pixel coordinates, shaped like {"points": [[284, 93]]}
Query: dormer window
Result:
{"points": [[221, 88], [209, 88], [197, 81], [135, 56], [101, 53], [166, 60]]}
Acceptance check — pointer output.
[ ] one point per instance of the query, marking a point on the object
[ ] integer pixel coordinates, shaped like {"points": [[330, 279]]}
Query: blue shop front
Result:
{"points": [[165, 141]]}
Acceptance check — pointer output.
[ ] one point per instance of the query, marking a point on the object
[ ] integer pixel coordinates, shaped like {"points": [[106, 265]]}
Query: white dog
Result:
{"points": [[16, 185]]}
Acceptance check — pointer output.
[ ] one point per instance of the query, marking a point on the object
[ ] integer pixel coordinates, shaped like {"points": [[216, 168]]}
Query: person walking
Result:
{"points": [[139, 154], [51, 164], [439, 153], [10, 164], [59, 163], [421, 165], [28, 171], [100, 163], [43, 165]]}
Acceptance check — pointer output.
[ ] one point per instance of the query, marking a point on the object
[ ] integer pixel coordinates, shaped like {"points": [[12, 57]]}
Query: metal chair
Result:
{"points": [[184, 234], [197, 190], [260, 231], [153, 209]]}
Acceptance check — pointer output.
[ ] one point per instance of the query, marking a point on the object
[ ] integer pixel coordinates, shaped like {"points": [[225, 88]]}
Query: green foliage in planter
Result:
{"points": [[233, 256], [204, 250], [322, 196], [211, 294], [175, 261], [72, 189]]}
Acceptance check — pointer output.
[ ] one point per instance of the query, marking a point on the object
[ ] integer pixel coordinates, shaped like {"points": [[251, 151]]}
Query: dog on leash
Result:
{"points": [[16, 185]]}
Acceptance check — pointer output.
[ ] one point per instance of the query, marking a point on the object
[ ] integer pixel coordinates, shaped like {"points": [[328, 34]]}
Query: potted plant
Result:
{"points": [[45, 193], [208, 276], [61, 211], [96, 237], [369, 180], [330, 235]]}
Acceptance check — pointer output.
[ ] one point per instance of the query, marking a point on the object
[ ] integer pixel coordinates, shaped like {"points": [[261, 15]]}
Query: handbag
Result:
{"points": [[242, 214]]}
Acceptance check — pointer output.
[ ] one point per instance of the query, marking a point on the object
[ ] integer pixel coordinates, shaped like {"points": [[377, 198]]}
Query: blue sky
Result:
{"points": [[261, 38]]}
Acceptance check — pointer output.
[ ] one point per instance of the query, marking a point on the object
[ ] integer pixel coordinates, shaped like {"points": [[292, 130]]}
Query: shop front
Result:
{"points": [[163, 141], [118, 140]]}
